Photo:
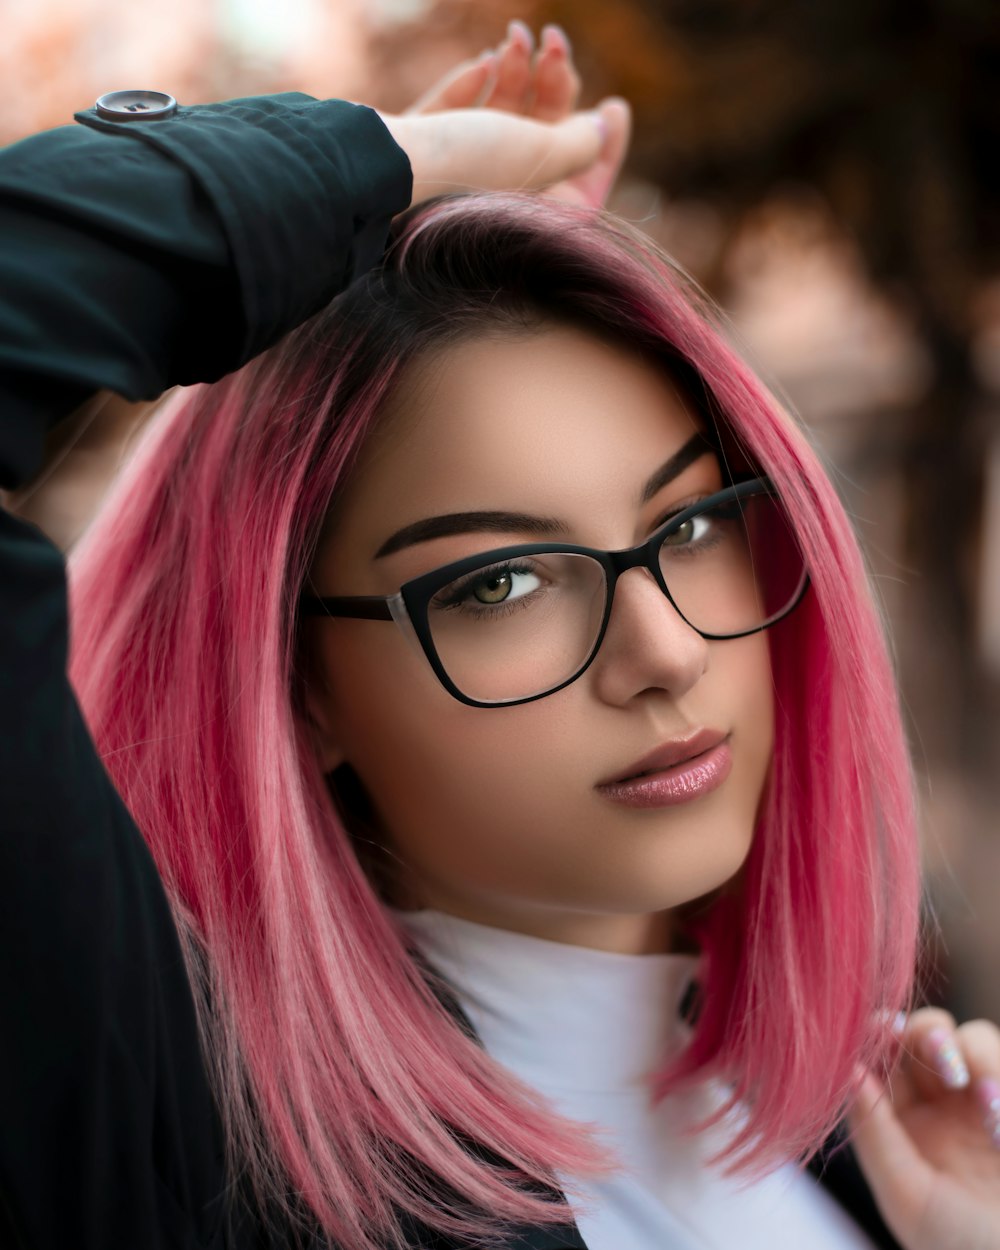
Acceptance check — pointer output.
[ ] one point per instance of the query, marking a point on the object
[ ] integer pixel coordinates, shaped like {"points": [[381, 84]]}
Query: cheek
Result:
{"points": [[750, 674], [744, 670], [452, 784], [498, 803]]}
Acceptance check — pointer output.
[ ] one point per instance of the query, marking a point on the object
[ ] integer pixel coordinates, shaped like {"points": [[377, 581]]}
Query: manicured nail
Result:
{"points": [[516, 27], [899, 1022], [947, 1059], [988, 1097], [555, 37]]}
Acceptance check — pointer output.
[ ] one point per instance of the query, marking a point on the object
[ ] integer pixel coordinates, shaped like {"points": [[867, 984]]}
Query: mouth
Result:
{"points": [[677, 772], [669, 755]]}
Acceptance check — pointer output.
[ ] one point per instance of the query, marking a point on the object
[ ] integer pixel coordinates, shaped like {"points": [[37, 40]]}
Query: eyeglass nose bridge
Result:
{"points": [[645, 556]]}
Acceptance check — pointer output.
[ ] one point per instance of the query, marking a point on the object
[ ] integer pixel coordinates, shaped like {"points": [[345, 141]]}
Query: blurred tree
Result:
{"points": [[888, 109]]}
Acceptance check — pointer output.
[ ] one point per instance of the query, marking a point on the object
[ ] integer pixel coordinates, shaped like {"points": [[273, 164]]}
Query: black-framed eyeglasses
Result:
{"points": [[518, 623]]}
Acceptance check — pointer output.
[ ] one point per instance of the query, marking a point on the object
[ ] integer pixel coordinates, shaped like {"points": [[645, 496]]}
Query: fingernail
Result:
{"points": [[947, 1060], [516, 27], [899, 1022], [988, 1097], [554, 36], [600, 121]]}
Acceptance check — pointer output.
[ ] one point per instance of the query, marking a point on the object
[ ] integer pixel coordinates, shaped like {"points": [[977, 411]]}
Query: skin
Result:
{"points": [[509, 119], [492, 814], [921, 1143]]}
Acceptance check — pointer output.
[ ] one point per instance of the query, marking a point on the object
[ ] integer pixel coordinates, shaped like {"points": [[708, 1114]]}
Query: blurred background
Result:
{"points": [[828, 171]]}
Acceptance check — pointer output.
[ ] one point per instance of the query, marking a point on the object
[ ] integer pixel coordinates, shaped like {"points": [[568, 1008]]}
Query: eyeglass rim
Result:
{"points": [[409, 606]]}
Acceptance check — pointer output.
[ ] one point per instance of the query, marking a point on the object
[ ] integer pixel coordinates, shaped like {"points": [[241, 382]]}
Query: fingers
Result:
{"points": [[463, 87], [944, 1056], [979, 1042], [531, 155], [931, 1059], [513, 86], [514, 78], [557, 84], [501, 79], [463, 135], [483, 149], [928, 1127], [898, 1174], [593, 184], [943, 1060]]}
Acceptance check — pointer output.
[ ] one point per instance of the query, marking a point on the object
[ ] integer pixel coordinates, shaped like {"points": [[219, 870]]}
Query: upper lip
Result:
{"points": [[667, 754]]}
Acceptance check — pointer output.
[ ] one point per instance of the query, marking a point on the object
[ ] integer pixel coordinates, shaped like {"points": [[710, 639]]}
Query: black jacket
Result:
{"points": [[134, 257]]}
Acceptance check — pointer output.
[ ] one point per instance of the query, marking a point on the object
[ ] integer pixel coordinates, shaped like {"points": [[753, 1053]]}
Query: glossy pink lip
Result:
{"points": [[676, 751], [675, 772]]}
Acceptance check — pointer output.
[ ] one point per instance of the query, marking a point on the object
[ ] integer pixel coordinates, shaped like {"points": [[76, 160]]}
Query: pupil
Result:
{"points": [[494, 589], [680, 536]]}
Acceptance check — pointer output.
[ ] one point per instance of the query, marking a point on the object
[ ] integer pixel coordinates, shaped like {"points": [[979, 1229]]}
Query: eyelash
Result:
{"points": [[458, 596], [459, 592], [676, 509]]}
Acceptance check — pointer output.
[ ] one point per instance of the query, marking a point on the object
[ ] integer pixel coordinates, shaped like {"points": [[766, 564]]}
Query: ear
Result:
{"points": [[322, 723]]}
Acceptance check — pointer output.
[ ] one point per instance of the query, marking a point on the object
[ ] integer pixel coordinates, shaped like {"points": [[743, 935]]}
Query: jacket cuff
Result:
{"points": [[342, 179]]}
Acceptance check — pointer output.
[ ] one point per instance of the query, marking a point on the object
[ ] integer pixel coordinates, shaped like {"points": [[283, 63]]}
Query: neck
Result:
{"points": [[646, 934]]}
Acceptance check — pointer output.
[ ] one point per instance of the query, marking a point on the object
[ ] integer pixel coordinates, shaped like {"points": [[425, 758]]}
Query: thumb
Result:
{"points": [[555, 151], [489, 150], [897, 1173], [592, 184]]}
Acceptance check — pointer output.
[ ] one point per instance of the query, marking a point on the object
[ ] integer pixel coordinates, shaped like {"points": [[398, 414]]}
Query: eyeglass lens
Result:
{"points": [[521, 627]]}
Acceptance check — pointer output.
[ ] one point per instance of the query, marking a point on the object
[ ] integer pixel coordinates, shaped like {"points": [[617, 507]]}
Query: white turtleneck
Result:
{"points": [[586, 1028]]}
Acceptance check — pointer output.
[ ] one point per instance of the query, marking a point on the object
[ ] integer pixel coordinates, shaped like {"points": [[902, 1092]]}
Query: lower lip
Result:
{"points": [[685, 781]]}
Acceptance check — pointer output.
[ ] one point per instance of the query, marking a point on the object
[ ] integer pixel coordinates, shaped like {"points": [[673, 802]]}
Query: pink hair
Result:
{"points": [[341, 1077]]}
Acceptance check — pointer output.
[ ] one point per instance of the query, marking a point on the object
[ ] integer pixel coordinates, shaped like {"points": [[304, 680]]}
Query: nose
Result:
{"points": [[648, 644]]}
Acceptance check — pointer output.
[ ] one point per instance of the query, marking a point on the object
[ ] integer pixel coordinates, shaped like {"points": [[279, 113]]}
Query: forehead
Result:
{"points": [[555, 419]]}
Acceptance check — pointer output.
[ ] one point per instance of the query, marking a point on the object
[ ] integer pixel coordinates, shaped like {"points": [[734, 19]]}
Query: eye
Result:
{"points": [[693, 530], [492, 586], [500, 585]]}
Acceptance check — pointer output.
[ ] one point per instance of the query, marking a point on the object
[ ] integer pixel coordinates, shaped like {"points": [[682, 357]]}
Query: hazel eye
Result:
{"points": [[692, 530], [494, 589], [504, 584]]}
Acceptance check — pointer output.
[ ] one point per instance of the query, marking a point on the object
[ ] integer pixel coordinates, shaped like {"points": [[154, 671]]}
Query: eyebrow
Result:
{"points": [[525, 523], [696, 447]]}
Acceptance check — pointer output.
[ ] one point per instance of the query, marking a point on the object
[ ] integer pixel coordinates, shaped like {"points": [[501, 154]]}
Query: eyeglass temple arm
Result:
{"points": [[365, 608]]}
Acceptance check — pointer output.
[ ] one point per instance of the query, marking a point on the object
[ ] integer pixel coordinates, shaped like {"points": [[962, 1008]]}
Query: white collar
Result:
{"points": [[560, 1016]]}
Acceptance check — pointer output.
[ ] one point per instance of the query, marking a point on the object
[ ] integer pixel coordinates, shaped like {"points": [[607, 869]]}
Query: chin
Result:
{"points": [[690, 885]]}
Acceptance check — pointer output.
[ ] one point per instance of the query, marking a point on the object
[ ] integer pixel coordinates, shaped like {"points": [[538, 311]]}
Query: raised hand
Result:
{"points": [[507, 121], [930, 1146], [515, 78]]}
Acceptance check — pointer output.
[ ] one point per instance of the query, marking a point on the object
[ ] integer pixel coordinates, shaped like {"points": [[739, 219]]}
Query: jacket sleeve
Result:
{"points": [[132, 257]]}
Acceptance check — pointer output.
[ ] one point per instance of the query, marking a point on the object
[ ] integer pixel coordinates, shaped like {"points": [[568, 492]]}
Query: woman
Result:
{"points": [[361, 825]]}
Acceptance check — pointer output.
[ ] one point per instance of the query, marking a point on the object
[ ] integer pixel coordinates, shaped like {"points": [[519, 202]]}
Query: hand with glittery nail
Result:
{"points": [[929, 1140]]}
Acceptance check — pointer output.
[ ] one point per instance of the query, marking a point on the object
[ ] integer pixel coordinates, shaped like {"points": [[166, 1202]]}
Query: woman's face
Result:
{"points": [[497, 814]]}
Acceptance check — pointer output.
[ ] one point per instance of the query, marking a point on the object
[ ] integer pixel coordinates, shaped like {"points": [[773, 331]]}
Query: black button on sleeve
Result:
{"points": [[304, 190]]}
